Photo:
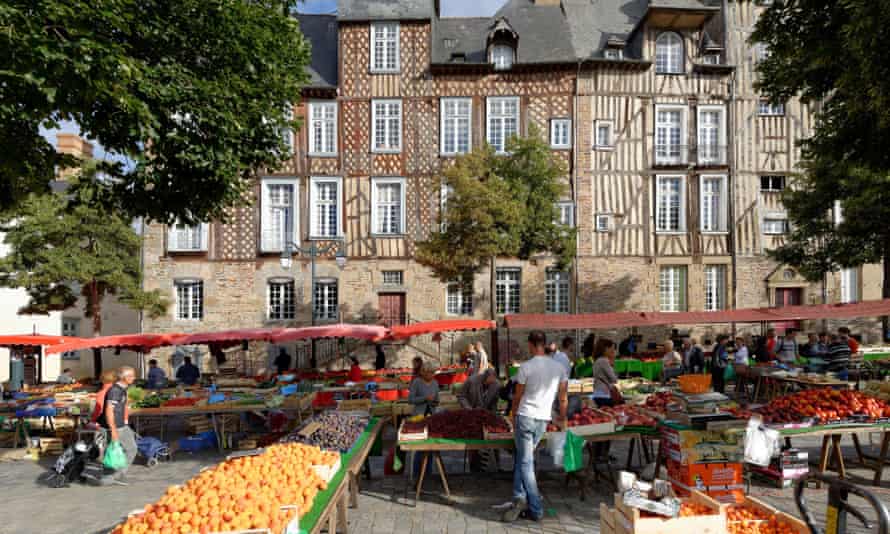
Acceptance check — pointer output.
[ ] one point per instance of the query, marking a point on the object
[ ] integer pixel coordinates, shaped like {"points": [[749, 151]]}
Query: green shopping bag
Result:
{"points": [[115, 458], [728, 373], [573, 453]]}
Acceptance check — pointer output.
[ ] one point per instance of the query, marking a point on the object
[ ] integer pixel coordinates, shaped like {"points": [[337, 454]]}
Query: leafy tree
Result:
{"points": [[66, 245], [832, 54], [203, 85], [499, 206]]}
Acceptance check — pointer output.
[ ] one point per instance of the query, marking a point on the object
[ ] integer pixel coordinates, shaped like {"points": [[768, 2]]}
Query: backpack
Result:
{"points": [[761, 354]]}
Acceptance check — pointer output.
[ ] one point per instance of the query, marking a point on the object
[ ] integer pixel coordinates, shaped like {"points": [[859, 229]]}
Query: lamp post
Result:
{"points": [[313, 250]]}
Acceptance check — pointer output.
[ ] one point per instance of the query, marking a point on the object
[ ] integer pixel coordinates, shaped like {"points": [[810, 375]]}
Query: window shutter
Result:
{"points": [[266, 233]]}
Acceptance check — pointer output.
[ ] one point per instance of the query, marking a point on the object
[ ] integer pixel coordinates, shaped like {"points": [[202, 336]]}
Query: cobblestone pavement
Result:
{"points": [[29, 506]]}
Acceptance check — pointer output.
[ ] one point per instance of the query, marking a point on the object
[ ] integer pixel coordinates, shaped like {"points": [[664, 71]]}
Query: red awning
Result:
{"points": [[432, 327], [874, 308], [357, 331], [229, 337], [33, 340], [137, 342]]}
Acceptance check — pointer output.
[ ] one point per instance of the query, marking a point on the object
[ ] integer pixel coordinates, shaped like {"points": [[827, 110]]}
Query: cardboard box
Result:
{"points": [[701, 446]]}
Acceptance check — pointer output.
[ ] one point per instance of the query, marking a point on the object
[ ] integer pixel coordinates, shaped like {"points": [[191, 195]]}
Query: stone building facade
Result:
{"points": [[675, 170]]}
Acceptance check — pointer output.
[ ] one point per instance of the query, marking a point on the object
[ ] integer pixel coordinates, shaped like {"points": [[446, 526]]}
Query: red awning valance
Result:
{"points": [[432, 327], [33, 340], [582, 321], [229, 337], [138, 342], [356, 331]]}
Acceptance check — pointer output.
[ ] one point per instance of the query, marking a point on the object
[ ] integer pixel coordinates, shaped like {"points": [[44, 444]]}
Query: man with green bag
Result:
{"points": [[114, 420]]}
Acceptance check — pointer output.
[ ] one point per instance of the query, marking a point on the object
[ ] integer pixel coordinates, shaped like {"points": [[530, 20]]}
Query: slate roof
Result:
{"points": [[321, 31], [593, 22], [361, 10], [543, 35]]}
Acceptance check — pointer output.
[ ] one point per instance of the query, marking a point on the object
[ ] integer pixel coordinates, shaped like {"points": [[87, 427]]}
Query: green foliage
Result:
{"points": [[62, 244], [499, 206], [833, 54], [202, 84]]}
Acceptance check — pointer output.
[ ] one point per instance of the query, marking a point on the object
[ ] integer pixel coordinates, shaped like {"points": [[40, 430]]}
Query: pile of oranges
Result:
{"points": [[240, 494], [689, 509], [742, 519]]}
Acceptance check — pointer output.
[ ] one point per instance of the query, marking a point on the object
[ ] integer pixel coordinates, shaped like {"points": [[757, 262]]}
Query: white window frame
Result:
{"points": [[684, 135], [455, 121], [461, 296], [613, 53], [566, 213], [850, 288], [173, 241], [668, 67], [711, 58], [399, 275], [314, 232], [767, 109], [715, 287], [322, 311], [771, 217], [374, 200], [720, 157], [557, 291], [502, 56], [489, 118], [325, 139], [192, 314], [265, 217], [603, 222], [72, 330], [509, 286], [681, 228], [375, 28], [287, 312], [722, 220], [771, 178], [287, 134], [677, 276], [610, 137], [387, 127], [561, 134], [445, 191]]}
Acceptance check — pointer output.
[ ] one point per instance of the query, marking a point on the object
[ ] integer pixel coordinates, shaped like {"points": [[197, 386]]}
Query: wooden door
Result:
{"points": [[787, 296], [392, 309]]}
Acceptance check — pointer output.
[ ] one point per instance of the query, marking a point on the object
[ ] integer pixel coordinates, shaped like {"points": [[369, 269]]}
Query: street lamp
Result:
{"points": [[313, 251]]}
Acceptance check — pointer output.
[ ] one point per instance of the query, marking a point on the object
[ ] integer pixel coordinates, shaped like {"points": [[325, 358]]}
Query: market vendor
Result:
{"points": [[157, 378], [355, 371], [719, 361], [786, 348], [65, 377], [693, 356], [188, 373], [845, 334], [839, 356], [480, 391], [672, 362], [424, 391], [282, 361], [416, 365], [605, 391], [114, 419]]}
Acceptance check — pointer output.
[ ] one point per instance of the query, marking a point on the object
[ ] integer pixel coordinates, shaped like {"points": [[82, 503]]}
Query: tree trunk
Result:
{"points": [[492, 287], [94, 305], [885, 288]]}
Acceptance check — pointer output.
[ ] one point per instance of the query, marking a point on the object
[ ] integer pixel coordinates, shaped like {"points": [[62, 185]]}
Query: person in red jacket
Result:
{"points": [[355, 372], [844, 332]]}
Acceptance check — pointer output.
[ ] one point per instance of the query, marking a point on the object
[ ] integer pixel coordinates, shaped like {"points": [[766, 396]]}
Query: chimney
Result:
{"points": [[73, 144]]}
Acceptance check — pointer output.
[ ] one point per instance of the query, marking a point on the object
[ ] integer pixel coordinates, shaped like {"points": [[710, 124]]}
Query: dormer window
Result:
{"points": [[669, 54], [502, 56], [711, 58], [613, 53]]}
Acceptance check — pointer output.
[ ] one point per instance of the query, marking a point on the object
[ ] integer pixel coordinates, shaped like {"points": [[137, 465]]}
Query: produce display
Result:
{"points": [[460, 424], [413, 427], [152, 400], [658, 402], [180, 402], [588, 416], [241, 494], [877, 389], [689, 509], [628, 415], [826, 405], [742, 519], [332, 431]]}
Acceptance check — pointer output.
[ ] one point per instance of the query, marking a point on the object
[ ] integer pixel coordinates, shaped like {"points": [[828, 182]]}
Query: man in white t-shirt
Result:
{"points": [[538, 382], [562, 357]]}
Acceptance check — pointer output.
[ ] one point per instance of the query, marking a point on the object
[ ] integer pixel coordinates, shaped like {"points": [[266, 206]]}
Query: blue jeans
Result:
{"points": [[528, 433]]}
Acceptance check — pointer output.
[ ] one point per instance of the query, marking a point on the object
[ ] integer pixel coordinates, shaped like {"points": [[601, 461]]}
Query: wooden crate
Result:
{"points": [[52, 446], [417, 436], [607, 519], [797, 525], [486, 435], [356, 405], [629, 519], [596, 428], [198, 423]]}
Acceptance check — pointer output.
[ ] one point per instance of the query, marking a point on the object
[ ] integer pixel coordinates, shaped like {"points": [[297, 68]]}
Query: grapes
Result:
{"points": [[336, 431]]}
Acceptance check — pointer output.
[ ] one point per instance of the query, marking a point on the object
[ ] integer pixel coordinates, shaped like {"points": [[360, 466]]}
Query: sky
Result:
{"points": [[450, 8]]}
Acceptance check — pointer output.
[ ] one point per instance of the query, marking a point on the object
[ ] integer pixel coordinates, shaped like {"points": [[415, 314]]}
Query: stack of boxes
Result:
{"points": [[705, 460], [790, 465]]}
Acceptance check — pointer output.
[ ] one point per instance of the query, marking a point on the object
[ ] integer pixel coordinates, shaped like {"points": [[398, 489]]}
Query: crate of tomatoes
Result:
{"points": [[752, 516]]}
